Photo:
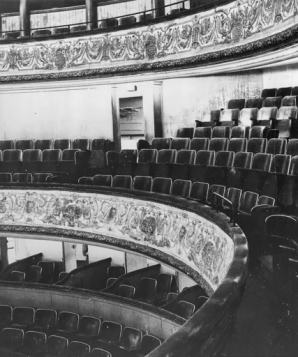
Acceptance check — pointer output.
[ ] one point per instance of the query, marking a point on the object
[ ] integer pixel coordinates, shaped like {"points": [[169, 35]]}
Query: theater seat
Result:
{"points": [[34, 274], [22, 177], [261, 162], [258, 132], [161, 143], [11, 339], [24, 144], [198, 144], [57, 346], [99, 352], [254, 102], [218, 144], [224, 158], [286, 122], [199, 192], [276, 146], [166, 156], [128, 156], [203, 132], [6, 144], [145, 290], [17, 275], [110, 332], [12, 160], [243, 160], [67, 323], [78, 349], [85, 180], [6, 316], [148, 155], [41, 33], [47, 274], [131, 339], [81, 144], [163, 287], [272, 102], [162, 185], [266, 115], [221, 132], [180, 143], [181, 188], [256, 145], [290, 100], [268, 92], [149, 343], [115, 271], [184, 309], [122, 181], [237, 145], [212, 199], [185, 132], [205, 157], [62, 144], [233, 195], [45, 320], [34, 343], [292, 147], [248, 118], [108, 23], [228, 117], [248, 201], [143, 183], [102, 180], [280, 164], [5, 177], [23, 317], [31, 159], [186, 157], [99, 144], [284, 91], [128, 20], [69, 155], [88, 328], [126, 291], [236, 104], [209, 118]]}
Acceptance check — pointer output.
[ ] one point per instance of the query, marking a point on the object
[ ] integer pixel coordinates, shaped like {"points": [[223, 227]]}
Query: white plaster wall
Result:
{"points": [[60, 112], [281, 76], [51, 250]]}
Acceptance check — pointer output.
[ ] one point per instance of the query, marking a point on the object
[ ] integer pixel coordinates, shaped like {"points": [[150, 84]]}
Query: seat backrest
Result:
{"points": [[34, 274], [164, 282], [114, 271], [148, 155], [122, 181], [289, 100], [240, 132], [5, 177], [248, 201], [45, 318], [23, 316], [186, 157], [254, 103], [32, 155], [166, 156], [45, 144], [292, 147], [243, 160], [84, 180], [62, 144], [205, 157], [89, 326], [224, 158], [181, 188], [237, 144], [102, 180], [111, 331], [276, 146], [218, 144], [79, 349], [199, 191], [247, 116], [257, 132], [131, 338], [98, 144], [126, 291], [272, 102], [212, 199], [210, 117], [17, 275], [185, 309], [265, 114], [161, 143], [6, 315], [98, 352], [128, 156], [35, 342], [6, 144], [57, 346], [287, 113], [22, 177], [268, 92], [12, 155], [12, 338], [185, 132], [229, 117], [68, 321], [221, 132], [282, 92], [69, 154], [234, 194], [24, 144], [180, 143], [236, 104], [146, 289], [266, 200], [143, 183], [261, 162], [48, 268], [294, 165], [203, 132], [51, 155], [149, 343], [162, 185], [198, 144], [81, 144], [281, 163], [257, 145]]}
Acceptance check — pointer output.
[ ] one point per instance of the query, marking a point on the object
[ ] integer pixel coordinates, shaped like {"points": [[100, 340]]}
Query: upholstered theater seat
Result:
{"points": [[147, 155], [268, 92], [57, 346], [219, 144], [45, 320], [292, 147], [198, 144], [240, 132], [254, 102], [199, 192], [41, 33], [248, 118], [128, 20], [187, 132], [12, 160], [78, 349], [236, 104], [128, 156], [186, 157], [34, 343], [145, 290], [180, 144], [31, 160], [284, 91], [256, 145], [261, 162], [143, 183], [266, 115], [81, 144], [280, 164], [34, 274], [167, 156], [149, 343], [60, 30], [181, 188], [161, 143], [102, 180], [237, 144], [126, 291], [122, 181], [62, 144], [114, 271], [99, 352], [243, 160], [23, 317], [229, 117], [6, 316], [44, 144], [131, 339], [224, 158], [85, 180], [276, 146], [221, 132], [208, 118], [184, 309], [78, 28], [272, 102], [205, 157], [5, 177], [286, 122], [24, 144], [67, 323], [203, 132], [162, 185], [289, 101], [108, 23], [110, 332], [6, 144], [11, 339], [163, 287]]}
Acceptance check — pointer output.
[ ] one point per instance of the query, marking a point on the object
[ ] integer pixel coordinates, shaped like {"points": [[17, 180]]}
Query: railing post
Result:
{"points": [[24, 18], [91, 14]]}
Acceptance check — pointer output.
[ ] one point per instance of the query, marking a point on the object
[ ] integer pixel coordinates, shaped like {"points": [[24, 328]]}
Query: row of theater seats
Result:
{"points": [[62, 144], [104, 23], [44, 332]]}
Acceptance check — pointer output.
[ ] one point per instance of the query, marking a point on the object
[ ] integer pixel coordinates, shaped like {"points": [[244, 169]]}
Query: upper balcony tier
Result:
{"points": [[142, 37]]}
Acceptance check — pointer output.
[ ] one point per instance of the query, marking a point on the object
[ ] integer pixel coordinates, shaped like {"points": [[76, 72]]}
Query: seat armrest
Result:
{"points": [[199, 123]]}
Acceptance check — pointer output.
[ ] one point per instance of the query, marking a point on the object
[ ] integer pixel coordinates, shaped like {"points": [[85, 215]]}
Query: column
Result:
{"points": [[91, 14], [116, 119], [157, 108], [24, 18]]}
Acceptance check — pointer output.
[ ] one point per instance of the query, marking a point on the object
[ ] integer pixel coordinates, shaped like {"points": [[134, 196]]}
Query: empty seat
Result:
{"points": [[68, 155], [114, 271], [184, 309], [243, 160], [186, 157], [60, 30], [272, 102], [85, 180], [286, 122], [127, 20], [6, 316], [161, 143], [199, 191], [45, 319], [233, 195], [292, 147], [166, 156], [213, 199], [261, 162], [148, 344], [236, 104], [185, 132], [11, 338], [30, 155], [258, 132], [126, 291], [78, 349], [99, 352], [162, 185], [122, 181], [148, 155], [221, 132], [265, 200], [14, 155], [198, 144], [143, 183], [57, 346], [294, 166], [110, 332], [280, 164], [128, 156], [248, 117], [282, 92], [23, 316], [67, 322], [34, 274], [163, 287], [81, 144], [237, 144], [290, 100], [47, 274], [208, 118], [110, 281], [218, 144], [256, 145], [203, 132], [98, 144], [6, 145], [145, 290], [78, 28], [41, 177], [24, 144], [34, 343], [248, 201], [239, 132], [88, 327], [52, 155], [5, 177], [254, 103], [268, 92], [276, 146], [180, 143], [181, 188], [266, 115], [62, 144], [224, 158], [102, 180], [22, 177], [41, 33], [17, 275], [205, 157], [229, 117], [108, 23], [131, 339]]}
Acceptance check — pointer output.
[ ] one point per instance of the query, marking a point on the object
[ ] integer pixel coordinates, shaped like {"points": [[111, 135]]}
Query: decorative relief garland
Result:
{"points": [[155, 47]]}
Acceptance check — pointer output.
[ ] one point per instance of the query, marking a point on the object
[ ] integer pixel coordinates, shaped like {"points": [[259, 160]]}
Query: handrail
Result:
{"points": [[230, 204]]}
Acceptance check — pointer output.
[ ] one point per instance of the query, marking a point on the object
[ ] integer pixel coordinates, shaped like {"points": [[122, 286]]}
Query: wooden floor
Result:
{"points": [[264, 327]]}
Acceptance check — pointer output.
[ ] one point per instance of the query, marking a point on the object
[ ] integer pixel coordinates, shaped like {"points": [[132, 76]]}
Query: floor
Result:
{"points": [[264, 327]]}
